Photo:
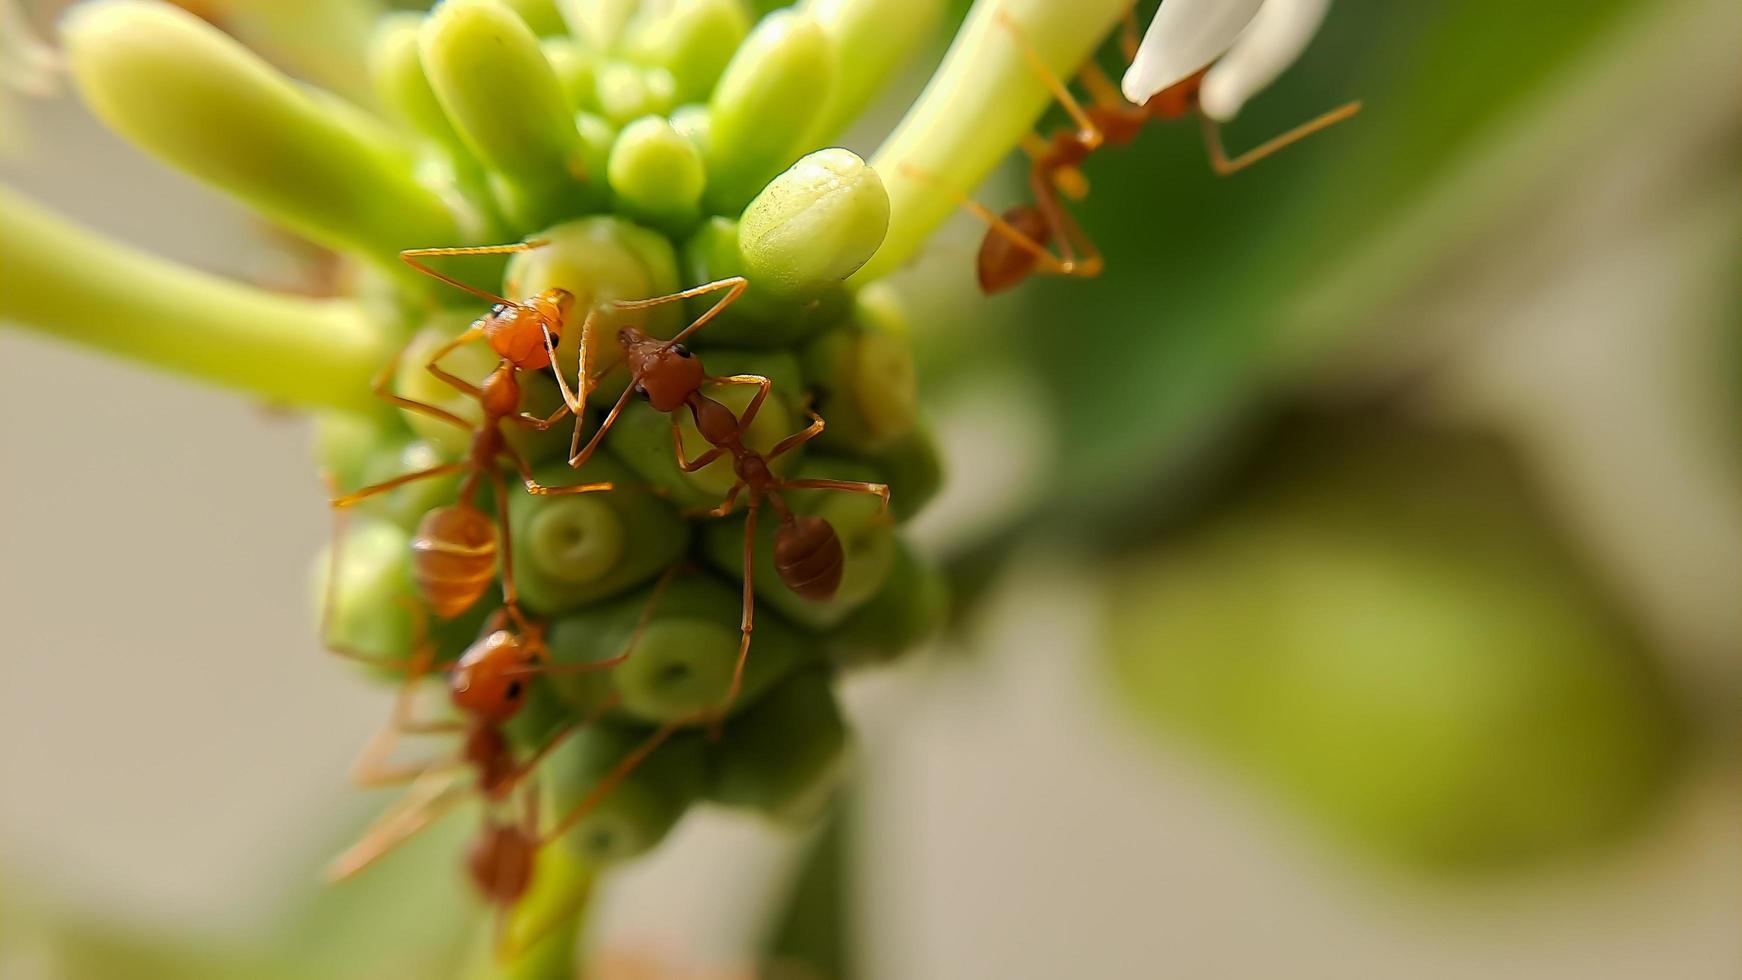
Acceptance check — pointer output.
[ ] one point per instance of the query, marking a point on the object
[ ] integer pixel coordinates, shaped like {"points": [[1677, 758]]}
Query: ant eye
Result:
{"points": [[499, 309], [641, 392], [681, 351], [513, 690]]}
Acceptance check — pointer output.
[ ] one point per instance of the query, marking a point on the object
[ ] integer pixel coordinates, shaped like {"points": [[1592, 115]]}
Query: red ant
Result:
{"points": [[808, 555], [455, 547], [1015, 245], [488, 686]]}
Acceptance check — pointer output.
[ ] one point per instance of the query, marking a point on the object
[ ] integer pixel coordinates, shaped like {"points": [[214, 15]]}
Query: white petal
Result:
{"points": [[1184, 36], [1272, 42]]}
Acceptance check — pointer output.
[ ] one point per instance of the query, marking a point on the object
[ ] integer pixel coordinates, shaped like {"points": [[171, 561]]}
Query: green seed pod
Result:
{"points": [[907, 611], [692, 39], [774, 87], [881, 35], [505, 100], [760, 318], [632, 817], [867, 538], [785, 756], [681, 666], [625, 91], [642, 436], [373, 606], [187, 93], [913, 468], [598, 260], [656, 174], [577, 548], [866, 386], [574, 67], [815, 224]]}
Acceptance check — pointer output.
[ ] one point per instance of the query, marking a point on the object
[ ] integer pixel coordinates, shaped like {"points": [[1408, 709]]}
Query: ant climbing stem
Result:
{"points": [[808, 555], [1018, 242], [456, 547]]}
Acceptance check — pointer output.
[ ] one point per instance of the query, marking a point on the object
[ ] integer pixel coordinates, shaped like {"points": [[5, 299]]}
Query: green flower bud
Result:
{"points": [[504, 99], [880, 36], [691, 119], [345, 442], [815, 224], [598, 260], [633, 816], [406, 505], [625, 91], [869, 393], [785, 756], [913, 468], [760, 317], [656, 174], [576, 548], [642, 436], [374, 600], [541, 15], [774, 87], [692, 39], [597, 23], [598, 136], [867, 538], [907, 611], [682, 664], [574, 67], [414, 380], [400, 84], [187, 93]]}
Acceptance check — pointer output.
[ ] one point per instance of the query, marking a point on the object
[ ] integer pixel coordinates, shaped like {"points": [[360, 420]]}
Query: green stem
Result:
{"points": [[976, 108], [71, 283]]}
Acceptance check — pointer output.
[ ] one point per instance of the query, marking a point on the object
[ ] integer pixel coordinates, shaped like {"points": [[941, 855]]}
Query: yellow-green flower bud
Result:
{"points": [[774, 87], [406, 505], [913, 468], [760, 317], [868, 390], [400, 84], [692, 39], [183, 90], [815, 224], [577, 548], [785, 756], [656, 174], [875, 37], [541, 15], [505, 100], [597, 23], [626, 91], [374, 599], [631, 817], [691, 119], [575, 71]]}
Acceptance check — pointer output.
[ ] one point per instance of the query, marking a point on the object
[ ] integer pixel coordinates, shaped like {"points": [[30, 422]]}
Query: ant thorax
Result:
{"points": [[501, 391]]}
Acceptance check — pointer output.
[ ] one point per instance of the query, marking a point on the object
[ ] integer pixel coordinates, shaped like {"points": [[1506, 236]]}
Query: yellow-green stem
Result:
{"points": [[72, 283]]}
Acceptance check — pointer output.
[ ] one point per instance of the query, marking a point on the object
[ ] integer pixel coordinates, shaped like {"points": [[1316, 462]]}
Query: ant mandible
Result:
{"points": [[666, 374], [1016, 242], [456, 547]]}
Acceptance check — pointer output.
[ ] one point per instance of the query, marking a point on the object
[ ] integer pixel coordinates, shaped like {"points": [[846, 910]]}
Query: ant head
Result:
{"points": [[500, 862], [516, 331], [490, 681], [1002, 263], [662, 374], [1177, 99]]}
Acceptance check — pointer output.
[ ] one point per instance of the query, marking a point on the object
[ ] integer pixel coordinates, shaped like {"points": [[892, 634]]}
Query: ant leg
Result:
{"points": [[1223, 166], [604, 786], [537, 424], [427, 801], [1000, 227], [734, 286], [510, 595], [683, 462], [880, 490], [1130, 38], [756, 400], [1088, 133], [352, 498], [725, 507], [748, 621], [467, 336], [579, 457], [380, 386], [410, 257], [1070, 235], [800, 437], [538, 489]]}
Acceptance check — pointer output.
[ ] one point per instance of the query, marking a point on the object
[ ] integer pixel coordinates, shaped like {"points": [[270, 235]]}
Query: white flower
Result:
{"points": [[1250, 42]]}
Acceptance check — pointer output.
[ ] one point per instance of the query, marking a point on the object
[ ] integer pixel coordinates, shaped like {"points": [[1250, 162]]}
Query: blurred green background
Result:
{"points": [[1347, 577]]}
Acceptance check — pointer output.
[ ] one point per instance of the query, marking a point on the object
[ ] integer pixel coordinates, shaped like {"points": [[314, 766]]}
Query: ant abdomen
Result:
{"points": [[500, 862], [809, 558], [1002, 262], [453, 558]]}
